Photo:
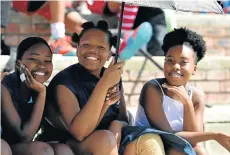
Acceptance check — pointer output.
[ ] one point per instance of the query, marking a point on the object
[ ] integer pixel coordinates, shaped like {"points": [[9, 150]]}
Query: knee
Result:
{"points": [[199, 150], [116, 125], [106, 137], [5, 148], [151, 139], [150, 144], [107, 141], [41, 148], [60, 149]]}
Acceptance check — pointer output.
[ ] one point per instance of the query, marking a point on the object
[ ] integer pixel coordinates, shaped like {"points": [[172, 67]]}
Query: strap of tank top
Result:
{"points": [[190, 91], [154, 80]]}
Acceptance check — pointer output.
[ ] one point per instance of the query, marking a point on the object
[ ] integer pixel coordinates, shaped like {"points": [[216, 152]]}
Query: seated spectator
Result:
{"points": [[61, 16], [23, 100], [88, 97], [5, 7], [84, 108], [171, 103], [5, 49]]}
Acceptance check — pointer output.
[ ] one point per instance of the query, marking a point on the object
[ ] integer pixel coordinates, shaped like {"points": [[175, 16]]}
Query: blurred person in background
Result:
{"points": [[133, 17], [5, 7], [62, 18], [5, 49]]}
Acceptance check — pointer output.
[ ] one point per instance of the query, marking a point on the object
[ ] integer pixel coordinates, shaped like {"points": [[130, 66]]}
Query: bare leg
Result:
{"points": [[198, 149], [5, 148], [101, 142], [131, 149], [116, 127], [174, 152], [147, 144], [61, 149], [73, 22], [59, 45], [57, 10], [32, 148], [113, 6]]}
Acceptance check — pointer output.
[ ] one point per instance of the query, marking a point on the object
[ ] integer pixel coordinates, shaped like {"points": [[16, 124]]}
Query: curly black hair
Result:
{"points": [[185, 36], [101, 25]]}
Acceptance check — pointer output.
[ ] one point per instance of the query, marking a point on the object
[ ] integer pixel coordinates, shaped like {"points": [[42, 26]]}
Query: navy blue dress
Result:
{"points": [[81, 83], [24, 109]]}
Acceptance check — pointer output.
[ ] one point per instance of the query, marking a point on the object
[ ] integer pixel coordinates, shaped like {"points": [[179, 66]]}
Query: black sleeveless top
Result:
{"points": [[24, 109], [81, 83]]}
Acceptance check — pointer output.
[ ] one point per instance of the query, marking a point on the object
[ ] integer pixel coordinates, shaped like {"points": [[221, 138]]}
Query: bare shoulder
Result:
{"points": [[5, 93], [151, 87], [198, 96], [65, 96], [150, 91]]}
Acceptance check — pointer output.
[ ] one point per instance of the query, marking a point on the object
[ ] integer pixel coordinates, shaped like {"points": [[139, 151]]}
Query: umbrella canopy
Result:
{"points": [[180, 5], [211, 6]]}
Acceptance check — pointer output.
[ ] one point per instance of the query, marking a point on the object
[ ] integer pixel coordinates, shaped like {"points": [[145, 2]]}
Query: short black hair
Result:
{"points": [[101, 25], [28, 43], [182, 36]]}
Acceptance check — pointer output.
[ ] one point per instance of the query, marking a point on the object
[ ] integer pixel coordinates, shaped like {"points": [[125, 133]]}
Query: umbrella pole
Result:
{"points": [[119, 31]]}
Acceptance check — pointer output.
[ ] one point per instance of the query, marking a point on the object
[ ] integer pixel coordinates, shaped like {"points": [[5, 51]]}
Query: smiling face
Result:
{"points": [[38, 60], [93, 50], [180, 65]]}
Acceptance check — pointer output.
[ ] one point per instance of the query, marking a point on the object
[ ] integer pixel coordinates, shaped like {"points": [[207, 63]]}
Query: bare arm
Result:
{"points": [[81, 122], [196, 137], [103, 111], [154, 109], [194, 111], [27, 130], [189, 122], [199, 106], [114, 96], [122, 112], [191, 113]]}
